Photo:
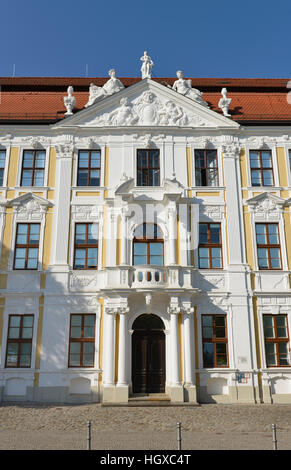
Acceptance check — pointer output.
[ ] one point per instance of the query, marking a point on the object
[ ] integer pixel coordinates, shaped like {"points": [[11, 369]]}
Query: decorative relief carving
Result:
{"points": [[87, 212], [149, 110], [29, 207], [36, 141], [64, 150], [214, 212], [81, 281], [217, 281]]}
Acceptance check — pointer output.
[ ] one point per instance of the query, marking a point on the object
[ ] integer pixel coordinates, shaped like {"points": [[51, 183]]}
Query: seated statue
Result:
{"points": [[96, 93], [185, 88]]}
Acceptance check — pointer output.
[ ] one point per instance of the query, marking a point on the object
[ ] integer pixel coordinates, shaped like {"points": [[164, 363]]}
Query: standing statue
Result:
{"points": [[96, 93], [224, 102], [185, 88], [69, 101], [146, 68]]}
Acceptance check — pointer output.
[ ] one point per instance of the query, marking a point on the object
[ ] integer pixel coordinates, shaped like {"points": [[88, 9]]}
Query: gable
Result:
{"points": [[148, 104]]}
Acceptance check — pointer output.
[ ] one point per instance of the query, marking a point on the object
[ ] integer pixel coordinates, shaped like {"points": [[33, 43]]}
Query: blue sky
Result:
{"points": [[249, 38]]}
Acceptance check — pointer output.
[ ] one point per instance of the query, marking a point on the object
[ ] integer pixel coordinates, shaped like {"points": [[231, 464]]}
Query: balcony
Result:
{"points": [[149, 276]]}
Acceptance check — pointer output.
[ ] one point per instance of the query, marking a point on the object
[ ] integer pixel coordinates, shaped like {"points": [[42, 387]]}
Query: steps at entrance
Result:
{"points": [[151, 399]]}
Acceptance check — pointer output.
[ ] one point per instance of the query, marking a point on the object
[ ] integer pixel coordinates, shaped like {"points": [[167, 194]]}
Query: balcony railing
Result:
{"points": [[149, 276]]}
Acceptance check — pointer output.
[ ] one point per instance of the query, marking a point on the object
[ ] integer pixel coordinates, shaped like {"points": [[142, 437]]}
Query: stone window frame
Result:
{"points": [[46, 149]]}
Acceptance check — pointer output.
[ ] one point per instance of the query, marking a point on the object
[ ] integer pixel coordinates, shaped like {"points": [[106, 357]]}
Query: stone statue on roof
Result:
{"points": [[113, 85], [147, 65], [184, 87], [69, 101], [224, 102]]}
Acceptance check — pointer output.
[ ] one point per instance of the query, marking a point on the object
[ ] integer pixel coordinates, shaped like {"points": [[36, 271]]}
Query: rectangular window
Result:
{"points": [[19, 341], [206, 168], [82, 340], [86, 246], [33, 166], [148, 167], [276, 340], [214, 341], [2, 165], [261, 168], [210, 246], [89, 167], [26, 246], [268, 246]]}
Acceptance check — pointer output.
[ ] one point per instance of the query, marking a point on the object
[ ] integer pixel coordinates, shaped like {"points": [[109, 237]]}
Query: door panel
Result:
{"points": [[148, 361]]}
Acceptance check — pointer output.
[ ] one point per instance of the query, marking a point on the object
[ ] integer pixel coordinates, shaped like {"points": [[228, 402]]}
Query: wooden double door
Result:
{"points": [[148, 361]]}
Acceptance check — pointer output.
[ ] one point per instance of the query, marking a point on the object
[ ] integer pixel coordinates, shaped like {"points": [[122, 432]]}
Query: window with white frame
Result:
{"points": [[19, 341], [276, 338], [33, 168], [261, 168], [206, 167]]}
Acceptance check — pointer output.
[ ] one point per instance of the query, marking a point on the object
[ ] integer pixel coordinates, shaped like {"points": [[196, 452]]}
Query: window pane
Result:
{"points": [[94, 178], [283, 354], [212, 178], [25, 354], [267, 178], [12, 354], [199, 159], [38, 178], [93, 233], [271, 354], [203, 233], [275, 258], [263, 258], [26, 179], [142, 159], [208, 355], [88, 359], [80, 255], [153, 158], [82, 178], [214, 233], [83, 159], [269, 331], [1, 177], [256, 178], [40, 159], [261, 234], [95, 159], [204, 258], [28, 159], [281, 326], [34, 234], [80, 234], [266, 159], [198, 178], [75, 351], [254, 159], [13, 333], [2, 158], [14, 320]]}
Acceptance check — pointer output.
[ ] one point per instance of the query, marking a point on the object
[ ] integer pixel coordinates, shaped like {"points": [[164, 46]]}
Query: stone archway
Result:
{"points": [[148, 355]]}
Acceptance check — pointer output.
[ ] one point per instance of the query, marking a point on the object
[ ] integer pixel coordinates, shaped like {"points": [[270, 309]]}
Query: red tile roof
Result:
{"points": [[41, 99]]}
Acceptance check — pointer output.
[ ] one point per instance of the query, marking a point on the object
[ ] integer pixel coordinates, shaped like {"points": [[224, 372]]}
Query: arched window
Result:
{"points": [[148, 245]]}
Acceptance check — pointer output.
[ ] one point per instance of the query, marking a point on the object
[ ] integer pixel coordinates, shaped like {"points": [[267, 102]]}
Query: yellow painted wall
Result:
{"points": [[208, 194], [249, 239], [87, 193], [52, 168], [13, 166], [5, 251], [243, 168], [282, 168]]}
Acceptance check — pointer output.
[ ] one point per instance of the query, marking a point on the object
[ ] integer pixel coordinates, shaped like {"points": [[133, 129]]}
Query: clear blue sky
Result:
{"points": [[227, 38]]}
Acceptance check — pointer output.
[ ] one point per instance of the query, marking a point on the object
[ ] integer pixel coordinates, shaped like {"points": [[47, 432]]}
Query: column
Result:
{"points": [[123, 336], [233, 204], [62, 205], [109, 347], [172, 235], [175, 357], [189, 355]]}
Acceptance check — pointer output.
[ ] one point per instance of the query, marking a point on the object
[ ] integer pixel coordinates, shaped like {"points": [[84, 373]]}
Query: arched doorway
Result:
{"points": [[148, 355]]}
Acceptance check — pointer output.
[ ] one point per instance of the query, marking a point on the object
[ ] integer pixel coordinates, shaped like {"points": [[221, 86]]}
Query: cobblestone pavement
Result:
{"points": [[209, 426]]}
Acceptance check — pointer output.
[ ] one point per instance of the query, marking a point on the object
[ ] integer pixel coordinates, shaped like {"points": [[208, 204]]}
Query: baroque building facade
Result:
{"points": [[145, 237]]}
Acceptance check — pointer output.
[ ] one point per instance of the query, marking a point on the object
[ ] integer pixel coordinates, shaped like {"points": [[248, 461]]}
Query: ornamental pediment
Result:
{"points": [[29, 206], [266, 205], [147, 104]]}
